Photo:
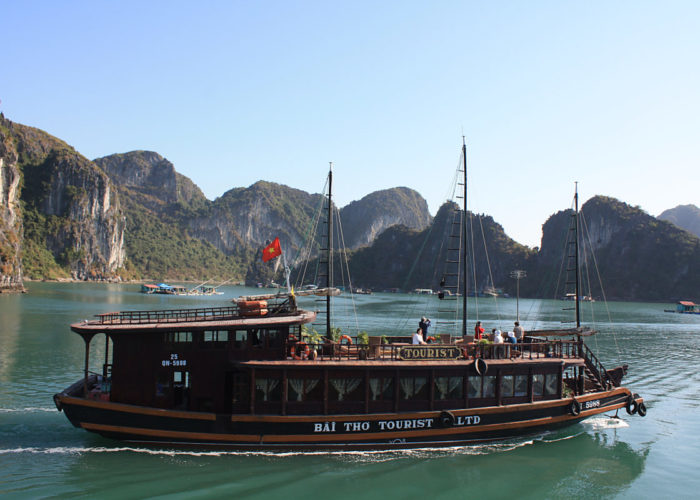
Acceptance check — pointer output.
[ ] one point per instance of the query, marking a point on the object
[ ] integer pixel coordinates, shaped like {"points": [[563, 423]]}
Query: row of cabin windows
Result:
{"points": [[269, 389], [260, 338]]}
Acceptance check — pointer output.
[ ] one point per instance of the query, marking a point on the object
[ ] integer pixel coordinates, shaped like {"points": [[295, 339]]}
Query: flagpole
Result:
{"points": [[286, 272]]}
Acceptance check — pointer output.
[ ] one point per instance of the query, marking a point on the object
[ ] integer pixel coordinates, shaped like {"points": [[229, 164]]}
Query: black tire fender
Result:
{"points": [[642, 409], [446, 419], [575, 408], [481, 366], [631, 406]]}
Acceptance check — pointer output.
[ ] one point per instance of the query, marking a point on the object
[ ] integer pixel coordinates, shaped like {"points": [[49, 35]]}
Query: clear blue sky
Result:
{"points": [[546, 93]]}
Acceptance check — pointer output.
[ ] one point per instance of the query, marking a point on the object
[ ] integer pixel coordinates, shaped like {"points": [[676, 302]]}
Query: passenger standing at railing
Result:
{"points": [[478, 331], [424, 324], [519, 332]]}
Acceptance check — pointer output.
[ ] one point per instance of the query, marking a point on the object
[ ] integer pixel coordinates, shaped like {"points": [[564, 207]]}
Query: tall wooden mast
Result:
{"points": [[576, 266], [329, 250], [464, 241]]}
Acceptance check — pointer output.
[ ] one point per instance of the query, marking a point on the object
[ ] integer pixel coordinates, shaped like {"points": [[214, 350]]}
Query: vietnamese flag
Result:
{"points": [[272, 250]]}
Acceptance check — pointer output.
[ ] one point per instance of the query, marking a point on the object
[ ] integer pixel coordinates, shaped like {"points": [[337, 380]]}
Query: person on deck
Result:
{"points": [[511, 338], [519, 332], [424, 324], [418, 337], [478, 331], [497, 339]]}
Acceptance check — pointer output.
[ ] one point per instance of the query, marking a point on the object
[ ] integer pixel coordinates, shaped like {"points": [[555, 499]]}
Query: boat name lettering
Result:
{"points": [[174, 361], [417, 423], [470, 420], [324, 427], [424, 352], [386, 425], [591, 404]]}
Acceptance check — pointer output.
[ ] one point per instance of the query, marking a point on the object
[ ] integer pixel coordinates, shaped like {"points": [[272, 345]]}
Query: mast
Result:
{"points": [[329, 242], [464, 242], [576, 266]]}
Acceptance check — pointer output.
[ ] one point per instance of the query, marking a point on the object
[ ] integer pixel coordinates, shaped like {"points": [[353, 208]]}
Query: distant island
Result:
{"points": [[132, 216]]}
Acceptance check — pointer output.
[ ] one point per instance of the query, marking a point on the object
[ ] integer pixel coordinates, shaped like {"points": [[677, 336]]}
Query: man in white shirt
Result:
{"points": [[418, 337], [519, 331]]}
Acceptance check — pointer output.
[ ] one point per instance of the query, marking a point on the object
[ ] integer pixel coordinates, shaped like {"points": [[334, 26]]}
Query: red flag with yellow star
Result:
{"points": [[272, 250]]}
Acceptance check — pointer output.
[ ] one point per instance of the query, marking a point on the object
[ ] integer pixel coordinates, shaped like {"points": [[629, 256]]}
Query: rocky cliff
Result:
{"points": [[152, 176], [684, 216], [637, 256], [404, 258], [72, 217], [367, 218], [248, 218], [11, 233]]}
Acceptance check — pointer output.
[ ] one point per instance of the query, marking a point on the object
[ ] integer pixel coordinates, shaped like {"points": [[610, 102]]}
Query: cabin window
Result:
{"points": [[173, 337], [181, 389], [381, 388], [274, 338], [414, 387], [537, 384], [482, 387], [507, 386], [216, 336], [268, 389], [513, 385], [448, 388], [551, 383], [474, 387], [256, 339], [346, 389], [240, 339], [489, 386], [181, 379], [304, 389]]}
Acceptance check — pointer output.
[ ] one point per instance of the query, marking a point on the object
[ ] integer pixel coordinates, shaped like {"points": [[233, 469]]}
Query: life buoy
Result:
{"points": [[575, 408], [345, 337], [252, 304], [304, 354], [430, 339], [446, 419], [249, 313], [631, 406], [642, 409], [292, 338], [481, 366]]}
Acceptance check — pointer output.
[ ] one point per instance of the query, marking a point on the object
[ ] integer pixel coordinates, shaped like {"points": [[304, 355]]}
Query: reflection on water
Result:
{"points": [[41, 454]]}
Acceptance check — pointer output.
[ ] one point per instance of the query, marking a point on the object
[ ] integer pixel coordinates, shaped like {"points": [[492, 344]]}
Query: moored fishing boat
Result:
{"points": [[685, 307], [244, 377]]}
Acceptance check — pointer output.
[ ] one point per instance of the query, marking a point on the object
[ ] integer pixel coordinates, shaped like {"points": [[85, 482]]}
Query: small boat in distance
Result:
{"points": [[685, 307], [572, 297], [250, 376], [163, 289]]}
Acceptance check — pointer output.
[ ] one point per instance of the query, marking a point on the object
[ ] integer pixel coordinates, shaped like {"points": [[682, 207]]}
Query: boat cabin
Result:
{"points": [[687, 307], [236, 360]]}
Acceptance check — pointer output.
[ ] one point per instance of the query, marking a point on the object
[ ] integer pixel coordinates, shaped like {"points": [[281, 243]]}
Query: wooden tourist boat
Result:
{"points": [[240, 377]]}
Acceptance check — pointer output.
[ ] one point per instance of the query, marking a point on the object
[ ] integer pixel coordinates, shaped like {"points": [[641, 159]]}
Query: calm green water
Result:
{"points": [[42, 455]]}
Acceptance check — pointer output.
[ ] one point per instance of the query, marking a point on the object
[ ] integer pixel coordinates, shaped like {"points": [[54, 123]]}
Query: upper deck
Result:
{"points": [[198, 318]]}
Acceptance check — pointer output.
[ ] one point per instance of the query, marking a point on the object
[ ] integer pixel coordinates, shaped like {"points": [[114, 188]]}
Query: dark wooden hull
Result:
{"points": [[328, 432]]}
